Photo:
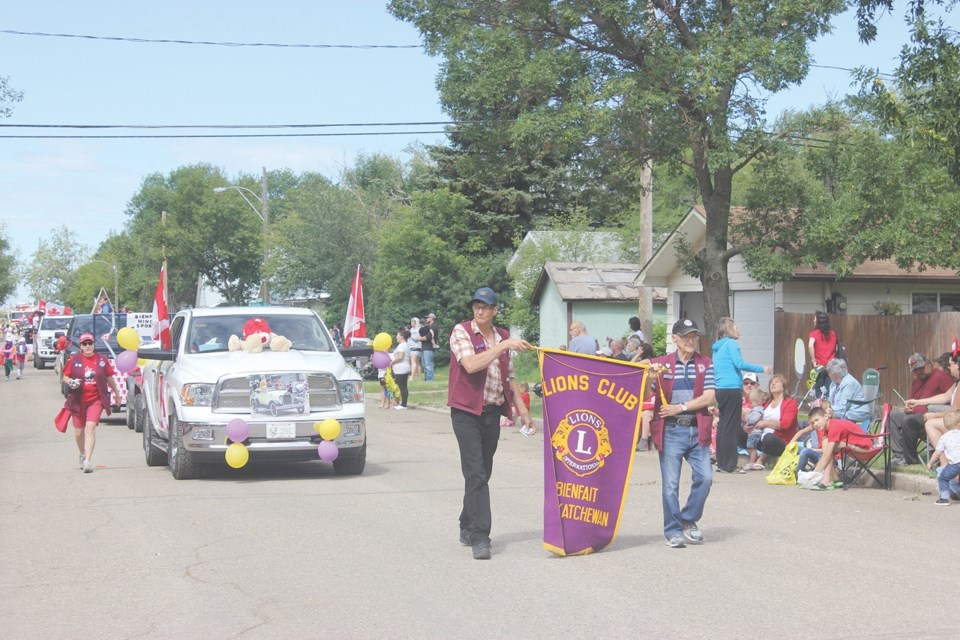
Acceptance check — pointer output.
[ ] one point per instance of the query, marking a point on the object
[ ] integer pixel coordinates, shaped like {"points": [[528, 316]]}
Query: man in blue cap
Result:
{"points": [[482, 388]]}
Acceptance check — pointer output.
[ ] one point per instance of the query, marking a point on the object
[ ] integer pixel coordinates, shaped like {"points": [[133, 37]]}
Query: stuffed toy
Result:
{"points": [[256, 336]]}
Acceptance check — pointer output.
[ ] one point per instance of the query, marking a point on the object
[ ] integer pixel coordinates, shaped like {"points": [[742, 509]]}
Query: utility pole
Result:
{"points": [[265, 214], [645, 303]]}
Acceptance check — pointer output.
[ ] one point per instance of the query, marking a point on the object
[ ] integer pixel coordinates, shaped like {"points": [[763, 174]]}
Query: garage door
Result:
{"points": [[753, 311]]}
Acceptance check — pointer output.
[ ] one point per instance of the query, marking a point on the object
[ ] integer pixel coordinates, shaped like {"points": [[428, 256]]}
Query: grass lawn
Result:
{"points": [[434, 394]]}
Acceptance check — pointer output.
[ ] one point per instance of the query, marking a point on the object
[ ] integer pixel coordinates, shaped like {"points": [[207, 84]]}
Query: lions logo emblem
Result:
{"points": [[581, 442]]}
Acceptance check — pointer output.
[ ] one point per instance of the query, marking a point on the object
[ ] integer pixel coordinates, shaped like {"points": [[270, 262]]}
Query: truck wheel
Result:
{"points": [[182, 465], [38, 362], [154, 456], [130, 416], [351, 466], [139, 416]]}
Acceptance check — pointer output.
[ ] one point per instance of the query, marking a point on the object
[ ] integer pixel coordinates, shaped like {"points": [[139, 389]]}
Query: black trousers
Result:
{"points": [[906, 431], [772, 446], [401, 379], [730, 404], [477, 437]]}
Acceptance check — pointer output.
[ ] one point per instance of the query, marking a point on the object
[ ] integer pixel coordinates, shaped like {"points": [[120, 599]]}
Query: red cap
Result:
{"points": [[87, 336]]}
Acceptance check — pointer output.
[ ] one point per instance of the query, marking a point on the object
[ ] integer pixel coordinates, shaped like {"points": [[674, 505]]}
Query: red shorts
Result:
{"points": [[89, 413]]}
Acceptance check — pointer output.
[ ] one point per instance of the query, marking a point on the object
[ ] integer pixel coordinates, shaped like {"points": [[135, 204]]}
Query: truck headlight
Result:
{"points": [[351, 391], [197, 395]]}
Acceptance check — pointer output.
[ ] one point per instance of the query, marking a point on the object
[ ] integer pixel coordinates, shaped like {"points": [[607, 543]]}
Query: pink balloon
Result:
{"points": [[380, 359], [328, 451], [126, 361], [238, 430]]}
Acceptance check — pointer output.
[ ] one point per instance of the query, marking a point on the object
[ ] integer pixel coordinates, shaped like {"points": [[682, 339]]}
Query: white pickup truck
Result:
{"points": [[45, 339], [188, 394]]}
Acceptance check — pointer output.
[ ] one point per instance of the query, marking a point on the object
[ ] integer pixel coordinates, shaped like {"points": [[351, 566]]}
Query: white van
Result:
{"points": [[45, 339]]}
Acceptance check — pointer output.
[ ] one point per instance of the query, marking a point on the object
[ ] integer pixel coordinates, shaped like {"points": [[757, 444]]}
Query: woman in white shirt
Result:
{"points": [[401, 366]]}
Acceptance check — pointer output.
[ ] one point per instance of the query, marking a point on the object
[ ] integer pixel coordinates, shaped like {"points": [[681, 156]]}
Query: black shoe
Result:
{"points": [[481, 550], [464, 537]]}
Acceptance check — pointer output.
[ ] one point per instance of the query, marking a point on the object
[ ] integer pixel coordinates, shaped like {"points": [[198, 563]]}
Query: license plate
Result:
{"points": [[281, 430]]}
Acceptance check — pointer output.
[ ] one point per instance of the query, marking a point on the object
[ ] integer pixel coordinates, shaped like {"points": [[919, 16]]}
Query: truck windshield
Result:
{"points": [[103, 326], [55, 323], [212, 334]]}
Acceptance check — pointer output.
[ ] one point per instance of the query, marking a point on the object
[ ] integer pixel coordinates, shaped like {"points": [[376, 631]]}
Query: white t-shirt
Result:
{"points": [[403, 349], [950, 445], [771, 413]]}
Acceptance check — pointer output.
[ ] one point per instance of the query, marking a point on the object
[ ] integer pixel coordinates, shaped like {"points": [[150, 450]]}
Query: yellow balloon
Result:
{"points": [[329, 429], [382, 342], [237, 455], [141, 362], [128, 338]]}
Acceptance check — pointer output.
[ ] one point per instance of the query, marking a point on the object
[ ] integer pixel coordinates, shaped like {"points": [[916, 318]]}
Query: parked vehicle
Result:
{"points": [[45, 339], [189, 394]]}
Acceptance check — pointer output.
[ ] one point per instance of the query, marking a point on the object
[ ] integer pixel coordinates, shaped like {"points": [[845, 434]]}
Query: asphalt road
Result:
{"points": [[296, 552]]}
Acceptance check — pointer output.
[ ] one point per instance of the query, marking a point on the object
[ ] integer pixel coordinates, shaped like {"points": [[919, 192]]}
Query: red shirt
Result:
{"points": [[936, 383], [838, 428], [90, 391], [824, 348]]}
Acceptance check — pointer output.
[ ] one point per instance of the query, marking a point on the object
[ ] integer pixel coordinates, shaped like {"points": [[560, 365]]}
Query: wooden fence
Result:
{"points": [[878, 342]]}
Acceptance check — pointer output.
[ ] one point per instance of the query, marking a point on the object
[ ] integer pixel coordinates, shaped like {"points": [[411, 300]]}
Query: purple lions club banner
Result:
{"points": [[591, 421]]}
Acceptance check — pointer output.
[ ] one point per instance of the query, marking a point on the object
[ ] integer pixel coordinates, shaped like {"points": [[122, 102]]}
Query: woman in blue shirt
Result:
{"points": [[728, 368]]}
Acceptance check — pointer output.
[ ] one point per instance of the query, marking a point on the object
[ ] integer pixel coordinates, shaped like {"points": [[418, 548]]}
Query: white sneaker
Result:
{"points": [[87, 466], [400, 407], [82, 460]]}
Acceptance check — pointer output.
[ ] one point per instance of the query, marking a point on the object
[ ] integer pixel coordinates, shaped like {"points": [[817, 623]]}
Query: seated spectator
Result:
{"points": [[838, 431], [813, 451], [779, 422], [616, 350], [757, 398], [907, 426], [943, 362], [844, 388], [933, 418]]}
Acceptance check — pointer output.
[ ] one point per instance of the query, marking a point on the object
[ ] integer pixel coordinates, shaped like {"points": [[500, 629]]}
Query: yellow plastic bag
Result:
{"points": [[786, 470]]}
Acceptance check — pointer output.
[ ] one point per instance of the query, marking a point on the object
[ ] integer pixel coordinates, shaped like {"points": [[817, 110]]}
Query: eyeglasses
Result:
{"points": [[479, 306], [86, 343]]}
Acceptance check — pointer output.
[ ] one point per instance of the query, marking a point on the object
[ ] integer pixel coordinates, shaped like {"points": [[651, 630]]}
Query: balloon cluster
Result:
{"points": [[127, 360], [328, 429], [381, 360], [237, 431]]}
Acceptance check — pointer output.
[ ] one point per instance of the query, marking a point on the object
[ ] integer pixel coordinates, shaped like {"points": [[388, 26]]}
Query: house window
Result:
{"points": [[933, 302]]}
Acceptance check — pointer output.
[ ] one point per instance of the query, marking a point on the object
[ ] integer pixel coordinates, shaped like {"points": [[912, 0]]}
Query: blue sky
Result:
{"points": [[86, 184]]}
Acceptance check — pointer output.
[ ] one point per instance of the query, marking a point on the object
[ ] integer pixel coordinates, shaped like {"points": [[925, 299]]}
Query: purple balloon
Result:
{"points": [[126, 361], [238, 430], [328, 451], [380, 359]]}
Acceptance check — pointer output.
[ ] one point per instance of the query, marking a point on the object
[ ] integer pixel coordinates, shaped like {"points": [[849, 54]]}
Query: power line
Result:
{"points": [[243, 126], [210, 42], [219, 135]]}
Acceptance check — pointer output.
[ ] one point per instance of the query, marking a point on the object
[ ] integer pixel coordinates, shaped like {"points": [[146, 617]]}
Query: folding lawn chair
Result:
{"points": [[856, 461]]}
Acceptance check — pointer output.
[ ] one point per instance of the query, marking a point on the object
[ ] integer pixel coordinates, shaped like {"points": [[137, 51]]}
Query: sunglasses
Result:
{"points": [[86, 342]]}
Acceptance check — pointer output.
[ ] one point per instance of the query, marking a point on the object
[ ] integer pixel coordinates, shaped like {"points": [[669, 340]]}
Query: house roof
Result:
{"points": [[612, 281], [693, 226], [605, 245]]}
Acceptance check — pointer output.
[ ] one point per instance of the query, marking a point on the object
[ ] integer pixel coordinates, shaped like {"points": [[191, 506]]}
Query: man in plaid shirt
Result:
{"points": [[482, 388]]}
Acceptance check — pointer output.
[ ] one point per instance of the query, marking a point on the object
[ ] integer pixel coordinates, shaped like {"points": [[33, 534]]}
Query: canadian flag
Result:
{"points": [[355, 326], [161, 317]]}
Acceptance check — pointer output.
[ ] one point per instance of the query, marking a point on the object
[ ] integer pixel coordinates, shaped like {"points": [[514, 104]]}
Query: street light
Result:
{"points": [[264, 212], [116, 281]]}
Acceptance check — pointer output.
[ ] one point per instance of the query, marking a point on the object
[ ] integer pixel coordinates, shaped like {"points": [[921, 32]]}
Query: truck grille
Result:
{"points": [[233, 394]]}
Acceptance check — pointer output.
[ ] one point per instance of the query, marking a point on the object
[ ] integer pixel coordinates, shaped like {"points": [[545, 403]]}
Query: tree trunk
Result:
{"points": [[716, 286], [645, 303]]}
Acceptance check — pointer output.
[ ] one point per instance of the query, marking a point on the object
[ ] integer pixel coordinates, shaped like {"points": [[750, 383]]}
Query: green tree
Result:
{"points": [[922, 103], [201, 233], [8, 265], [7, 97], [672, 82], [52, 268]]}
